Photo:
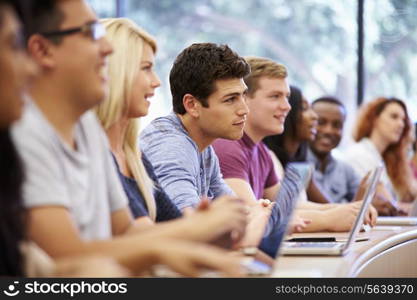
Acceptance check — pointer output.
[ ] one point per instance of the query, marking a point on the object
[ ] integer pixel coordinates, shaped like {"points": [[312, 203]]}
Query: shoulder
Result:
{"points": [[359, 147], [226, 144], [265, 152], [32, 127], [344, 166], [355, 152], [163, 126], [229, 149], [165, 135], [90, 121]]}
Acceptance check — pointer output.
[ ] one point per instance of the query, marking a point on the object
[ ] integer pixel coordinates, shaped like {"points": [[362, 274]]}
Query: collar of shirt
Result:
{"points": [[248, 141], [311, 157]]}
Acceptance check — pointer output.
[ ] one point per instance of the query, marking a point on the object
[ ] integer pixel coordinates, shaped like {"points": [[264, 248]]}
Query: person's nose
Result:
{"points": [[285, 105], [156, 81], [325, 128], [243, 108], [105, 47]]}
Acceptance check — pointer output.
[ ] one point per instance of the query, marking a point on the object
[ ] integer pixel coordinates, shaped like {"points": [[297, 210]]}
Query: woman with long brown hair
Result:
{"points": [[382, 134]]}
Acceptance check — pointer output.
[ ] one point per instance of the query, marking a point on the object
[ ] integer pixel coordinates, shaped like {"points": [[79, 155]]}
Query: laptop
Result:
{"points": [[304, 170], [337, 248]]}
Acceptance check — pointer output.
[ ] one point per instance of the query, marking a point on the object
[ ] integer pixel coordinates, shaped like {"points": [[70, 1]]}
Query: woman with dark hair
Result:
{"points": [[382, 134], [291, 146], [15, 71]]}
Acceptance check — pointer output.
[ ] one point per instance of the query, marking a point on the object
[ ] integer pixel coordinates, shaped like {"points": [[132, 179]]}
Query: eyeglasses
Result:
{"points": [[94, 29]]}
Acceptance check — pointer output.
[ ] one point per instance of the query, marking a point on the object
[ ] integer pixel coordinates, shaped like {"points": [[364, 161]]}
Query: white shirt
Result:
{"points": [[363, 157]]}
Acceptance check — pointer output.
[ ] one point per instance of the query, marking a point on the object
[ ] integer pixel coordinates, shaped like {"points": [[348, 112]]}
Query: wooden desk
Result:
{"points": [[388, 253]]}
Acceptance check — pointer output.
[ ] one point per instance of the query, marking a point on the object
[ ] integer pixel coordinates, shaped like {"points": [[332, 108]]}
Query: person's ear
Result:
{"points": [[191, 105], [41, 51]]}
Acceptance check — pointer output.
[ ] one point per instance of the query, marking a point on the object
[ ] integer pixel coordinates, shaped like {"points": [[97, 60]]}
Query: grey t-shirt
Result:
{"points": [[83, 180], [185, 173]]}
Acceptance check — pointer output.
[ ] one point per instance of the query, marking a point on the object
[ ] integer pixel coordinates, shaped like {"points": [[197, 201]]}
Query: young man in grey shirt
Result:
{"points": [[209, 102]]}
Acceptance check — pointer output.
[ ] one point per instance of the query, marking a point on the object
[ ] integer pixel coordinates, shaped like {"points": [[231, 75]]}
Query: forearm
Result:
{"points": [[135, 253], [319, 221], [316, 206], [182, 228], [315, 195], [254, 232]]}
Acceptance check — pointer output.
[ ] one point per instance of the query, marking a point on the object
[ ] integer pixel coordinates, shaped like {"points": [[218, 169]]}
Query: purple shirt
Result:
{"points": [[246, 160]]}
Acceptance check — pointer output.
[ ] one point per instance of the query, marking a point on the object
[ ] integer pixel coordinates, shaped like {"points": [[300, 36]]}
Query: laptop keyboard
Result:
{"points": [[313, 245]]}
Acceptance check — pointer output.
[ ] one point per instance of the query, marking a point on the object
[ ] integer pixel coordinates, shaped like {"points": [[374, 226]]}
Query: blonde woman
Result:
{"points": [[132, 82]]}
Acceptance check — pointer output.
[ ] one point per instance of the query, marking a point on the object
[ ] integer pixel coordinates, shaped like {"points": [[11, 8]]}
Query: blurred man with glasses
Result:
{"points": [[72, 55]]}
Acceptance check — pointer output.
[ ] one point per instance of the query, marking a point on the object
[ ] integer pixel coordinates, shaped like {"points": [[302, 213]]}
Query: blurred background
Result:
{"points": [[355, 50]]}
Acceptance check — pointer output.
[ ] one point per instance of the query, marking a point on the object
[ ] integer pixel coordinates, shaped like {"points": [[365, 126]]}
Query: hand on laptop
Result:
{"points": [[386, 207], [222, 221], [370, 216], [191, 259], [385, 203], [342, 217]]}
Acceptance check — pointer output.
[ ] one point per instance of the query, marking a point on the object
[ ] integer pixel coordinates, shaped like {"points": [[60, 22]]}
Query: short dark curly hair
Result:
{"points": [[197, 68]]}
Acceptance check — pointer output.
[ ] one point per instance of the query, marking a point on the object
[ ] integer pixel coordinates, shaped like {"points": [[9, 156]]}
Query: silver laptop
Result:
{"points": [[336, 248]]}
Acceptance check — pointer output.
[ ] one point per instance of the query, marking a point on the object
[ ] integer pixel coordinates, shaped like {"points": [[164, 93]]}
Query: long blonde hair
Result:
{"points": [[128, 40]]}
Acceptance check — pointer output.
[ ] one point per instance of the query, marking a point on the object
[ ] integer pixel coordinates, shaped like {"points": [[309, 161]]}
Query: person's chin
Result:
{"points": [[396, 139], [274, 130], [142, 113], [98, 97], [17, 114], [13, 117], [101, 95], [321, 151], [326, 150], [235, 135], [312, 137]]}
